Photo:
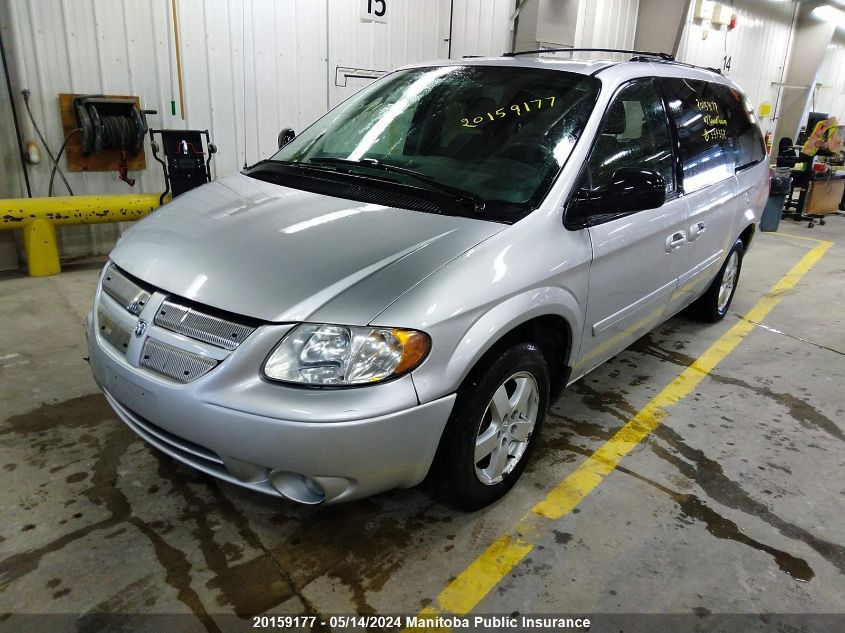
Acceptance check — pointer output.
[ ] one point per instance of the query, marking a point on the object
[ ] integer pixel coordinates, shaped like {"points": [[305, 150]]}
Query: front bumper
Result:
{"points": [[276, 439]]}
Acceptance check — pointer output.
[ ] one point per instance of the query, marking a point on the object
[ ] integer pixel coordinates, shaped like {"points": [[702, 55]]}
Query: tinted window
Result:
{"points": [[634, 133], [702, 118], [748, 145], [502, 134]]}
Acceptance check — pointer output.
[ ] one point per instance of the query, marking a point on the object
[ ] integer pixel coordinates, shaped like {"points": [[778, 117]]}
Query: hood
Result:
{"points": [[279, 254]]}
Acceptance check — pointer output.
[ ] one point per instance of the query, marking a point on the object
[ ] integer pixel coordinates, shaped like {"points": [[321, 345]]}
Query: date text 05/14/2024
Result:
{"points": [[424, 622]]}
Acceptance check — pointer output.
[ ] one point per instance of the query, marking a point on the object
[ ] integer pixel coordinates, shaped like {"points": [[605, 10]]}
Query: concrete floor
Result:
{"points": [[733, 505]]}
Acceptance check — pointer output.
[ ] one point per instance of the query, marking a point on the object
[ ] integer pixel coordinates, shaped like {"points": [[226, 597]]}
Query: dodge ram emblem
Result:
{"points": [[140, 328]]}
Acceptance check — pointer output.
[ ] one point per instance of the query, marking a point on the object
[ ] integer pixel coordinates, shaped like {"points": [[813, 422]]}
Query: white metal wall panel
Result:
{"points": [[414, 32], [606, 23], [829, 93], [481, 27], [250, 67], [12, 184], [273, 52], [61, 46], [758, 48]]}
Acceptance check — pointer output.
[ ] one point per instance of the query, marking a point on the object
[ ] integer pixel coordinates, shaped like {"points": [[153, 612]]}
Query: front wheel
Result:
{"points": [[713, 305], [493, 429]]}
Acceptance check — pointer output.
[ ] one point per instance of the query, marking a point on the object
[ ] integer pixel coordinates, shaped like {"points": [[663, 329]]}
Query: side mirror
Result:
{"points": [[286, 136], [630, 189]]}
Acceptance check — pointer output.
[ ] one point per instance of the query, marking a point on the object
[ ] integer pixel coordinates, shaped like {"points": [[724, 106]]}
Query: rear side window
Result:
{"points": [[703, 125]]}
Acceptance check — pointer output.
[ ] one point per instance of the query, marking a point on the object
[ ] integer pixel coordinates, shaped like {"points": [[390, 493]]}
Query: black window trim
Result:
{"points": [[754, 163], [747, 166], [609, 217], [675, 140]]}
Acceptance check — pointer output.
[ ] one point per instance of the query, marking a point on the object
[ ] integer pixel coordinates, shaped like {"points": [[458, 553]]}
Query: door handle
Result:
{"points": [[695, 230], [674, 241]]}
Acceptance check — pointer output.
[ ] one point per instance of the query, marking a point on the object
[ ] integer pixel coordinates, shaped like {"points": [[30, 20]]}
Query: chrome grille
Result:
{"points": [[203, 327], [120, 291], [125, 291], [113, 332], [173, 362]]}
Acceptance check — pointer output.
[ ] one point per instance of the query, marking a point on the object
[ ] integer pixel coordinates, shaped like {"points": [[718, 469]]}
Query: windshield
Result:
{"points": [[498, 134]]}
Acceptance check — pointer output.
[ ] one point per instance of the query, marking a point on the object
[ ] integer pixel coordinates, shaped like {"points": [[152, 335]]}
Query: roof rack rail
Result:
{"points": [[639, 56], [663, 56], [712, 69]]}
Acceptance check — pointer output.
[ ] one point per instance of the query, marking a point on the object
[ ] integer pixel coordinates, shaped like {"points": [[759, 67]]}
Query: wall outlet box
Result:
{"points": [[721, 15], [703, 10]]}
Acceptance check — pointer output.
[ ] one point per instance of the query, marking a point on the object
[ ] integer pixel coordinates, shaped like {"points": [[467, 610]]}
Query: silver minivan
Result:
{"points": [[399, 293]]}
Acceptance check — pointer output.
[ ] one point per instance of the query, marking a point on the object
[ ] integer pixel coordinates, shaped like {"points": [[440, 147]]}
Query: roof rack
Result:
{"points": [[663, 56], [638, 56], [712, 69]]}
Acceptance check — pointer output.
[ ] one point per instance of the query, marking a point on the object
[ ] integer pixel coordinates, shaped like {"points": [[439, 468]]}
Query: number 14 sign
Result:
{"points": [[374, 11]]}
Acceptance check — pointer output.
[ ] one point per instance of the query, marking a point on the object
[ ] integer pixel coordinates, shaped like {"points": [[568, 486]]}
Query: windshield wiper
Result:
{"points": [[462, 195]]}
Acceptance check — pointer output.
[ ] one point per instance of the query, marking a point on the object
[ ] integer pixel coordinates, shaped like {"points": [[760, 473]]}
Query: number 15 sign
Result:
{"points": [[374, 11]]}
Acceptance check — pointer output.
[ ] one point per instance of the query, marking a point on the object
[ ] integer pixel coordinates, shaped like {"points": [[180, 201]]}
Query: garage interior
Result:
{"points": [[728, 501]]}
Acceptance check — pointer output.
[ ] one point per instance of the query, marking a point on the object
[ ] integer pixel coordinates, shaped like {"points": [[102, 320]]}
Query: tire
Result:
{"points": [[456, 478], [712, 306]]}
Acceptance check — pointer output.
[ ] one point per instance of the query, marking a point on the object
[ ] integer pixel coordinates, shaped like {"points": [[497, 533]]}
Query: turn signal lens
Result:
{"points": [[414, 348]]}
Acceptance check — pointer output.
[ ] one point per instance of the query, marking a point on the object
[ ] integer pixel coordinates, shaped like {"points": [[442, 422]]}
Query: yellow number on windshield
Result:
{"points": [[501, 113]]}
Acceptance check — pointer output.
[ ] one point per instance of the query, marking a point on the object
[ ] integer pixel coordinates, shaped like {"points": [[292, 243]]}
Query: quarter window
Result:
{"points": [[748, 144], [634, 133]]}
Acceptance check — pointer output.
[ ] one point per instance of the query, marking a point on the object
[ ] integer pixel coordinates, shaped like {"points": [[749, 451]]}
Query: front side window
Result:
{"points": [[634, 133], [500, 134], [703, 124]]}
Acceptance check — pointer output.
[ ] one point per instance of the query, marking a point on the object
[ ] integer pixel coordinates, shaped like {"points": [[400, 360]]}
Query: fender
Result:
{"points": [[489, 328]]}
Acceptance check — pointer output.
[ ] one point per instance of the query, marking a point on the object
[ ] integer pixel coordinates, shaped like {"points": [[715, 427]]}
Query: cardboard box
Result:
{"points": [[824, 196]]}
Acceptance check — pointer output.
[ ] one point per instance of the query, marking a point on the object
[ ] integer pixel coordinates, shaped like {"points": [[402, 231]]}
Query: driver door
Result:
{"points": [[637, 257]]}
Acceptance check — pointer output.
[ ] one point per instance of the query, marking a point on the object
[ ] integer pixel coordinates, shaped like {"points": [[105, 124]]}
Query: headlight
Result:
{"points": [[338, 355]]}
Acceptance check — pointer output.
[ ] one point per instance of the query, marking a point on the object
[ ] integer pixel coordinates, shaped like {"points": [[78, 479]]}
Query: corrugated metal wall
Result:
{"points": [[127, 47], [758, 48], [250, 67], [481, 27], [11, 177], [606, 24], [829, 94], [416, 31]]}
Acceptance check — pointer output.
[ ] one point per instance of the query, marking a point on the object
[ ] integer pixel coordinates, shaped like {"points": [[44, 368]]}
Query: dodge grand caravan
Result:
{"points": [[400, 292]]}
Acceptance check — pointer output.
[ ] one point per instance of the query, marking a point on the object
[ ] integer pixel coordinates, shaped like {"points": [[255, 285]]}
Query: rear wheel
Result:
{"points": [[493, 429], [713, 305]]}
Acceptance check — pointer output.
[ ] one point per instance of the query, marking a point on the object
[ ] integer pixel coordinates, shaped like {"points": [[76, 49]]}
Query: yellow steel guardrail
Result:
{"points": [[39, 217]]}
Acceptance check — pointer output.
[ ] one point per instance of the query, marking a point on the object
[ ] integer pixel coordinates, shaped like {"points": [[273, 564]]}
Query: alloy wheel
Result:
{"points": [[728, 281], [506, 427]]}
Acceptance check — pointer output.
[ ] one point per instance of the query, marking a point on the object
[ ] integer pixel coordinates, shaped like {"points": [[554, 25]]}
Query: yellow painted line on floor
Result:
{"points": [[470, 587], [568, 493], [484, 573], [801, 237]]}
